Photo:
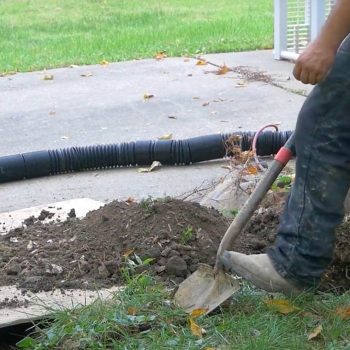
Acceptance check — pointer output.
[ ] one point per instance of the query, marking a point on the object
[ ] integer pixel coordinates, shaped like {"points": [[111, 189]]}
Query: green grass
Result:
{"points": [[247, 324], [36, 34]]}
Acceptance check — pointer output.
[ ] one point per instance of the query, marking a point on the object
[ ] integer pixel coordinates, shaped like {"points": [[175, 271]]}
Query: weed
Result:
{"points": [[147, 206], [230, 213], [133, 265], [283, 182], [187, 235]]}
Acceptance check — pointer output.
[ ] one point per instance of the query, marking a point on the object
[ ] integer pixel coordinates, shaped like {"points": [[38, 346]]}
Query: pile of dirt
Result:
{"points": [[166, 237]]}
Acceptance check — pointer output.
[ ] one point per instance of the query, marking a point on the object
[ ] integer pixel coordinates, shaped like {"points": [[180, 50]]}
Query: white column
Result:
{"points": [[318, 14], [280, 27]]}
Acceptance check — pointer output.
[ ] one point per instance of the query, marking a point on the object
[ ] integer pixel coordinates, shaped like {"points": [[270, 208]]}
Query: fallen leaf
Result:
{"points": [[104, 63], [251, 170], [223, 70], [201, 62], [343, 312], [128, 253], [241, 157], [281, 305], [132, 311], [148, 96], [195, 329], [205, 104], [160, 55], [130, 200], [86, 75], [172, 117], [48, 77], [166, 137], [198, 312], [315, 332], [154, 166]]}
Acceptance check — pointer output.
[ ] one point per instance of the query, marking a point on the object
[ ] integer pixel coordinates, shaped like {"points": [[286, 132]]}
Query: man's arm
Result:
{"points": [[314, 63]]}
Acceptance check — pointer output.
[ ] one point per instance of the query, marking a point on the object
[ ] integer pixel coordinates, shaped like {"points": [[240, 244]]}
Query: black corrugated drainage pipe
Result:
{"points": [[168, 152]]}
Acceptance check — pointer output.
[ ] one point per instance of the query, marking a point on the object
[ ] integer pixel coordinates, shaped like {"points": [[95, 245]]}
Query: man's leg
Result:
{"points": [[305, 239]]}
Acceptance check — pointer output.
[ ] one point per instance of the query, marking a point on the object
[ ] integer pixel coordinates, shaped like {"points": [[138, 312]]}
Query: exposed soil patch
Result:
{"points": [[167, 237]]}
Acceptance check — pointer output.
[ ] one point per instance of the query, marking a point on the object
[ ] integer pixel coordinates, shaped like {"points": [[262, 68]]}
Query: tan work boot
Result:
{"points": [[258, 269]]}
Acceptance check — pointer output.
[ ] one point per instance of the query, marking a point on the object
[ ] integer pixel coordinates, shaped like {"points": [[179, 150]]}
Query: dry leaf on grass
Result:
{"points": [[201, 62], [166, 137], [343, 312], [196, 329], [223, 70], [160, 55], [104, 63], [315, 332], [198, 312], [132, 311], [147, 96], [48, 77], [86, 75], [281, 305], [154, 166]]}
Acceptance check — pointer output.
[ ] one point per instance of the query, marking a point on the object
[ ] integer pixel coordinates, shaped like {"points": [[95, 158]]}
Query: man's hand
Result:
{"points": [[314, 63]]}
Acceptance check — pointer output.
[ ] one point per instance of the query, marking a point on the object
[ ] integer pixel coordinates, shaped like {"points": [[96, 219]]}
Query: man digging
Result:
{"points": [[305, 238]]}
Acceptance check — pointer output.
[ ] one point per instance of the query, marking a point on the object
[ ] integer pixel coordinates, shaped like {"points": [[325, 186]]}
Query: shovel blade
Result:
{"points": [[203, 290]]}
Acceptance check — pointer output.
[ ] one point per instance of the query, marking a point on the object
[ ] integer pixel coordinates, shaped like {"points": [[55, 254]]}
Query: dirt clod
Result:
{"points": [[45, 214], [72, 213], [176, 266]]}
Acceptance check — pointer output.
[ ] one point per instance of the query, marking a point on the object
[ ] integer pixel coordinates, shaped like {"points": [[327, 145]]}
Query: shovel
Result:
{"points": [[207, 288]]}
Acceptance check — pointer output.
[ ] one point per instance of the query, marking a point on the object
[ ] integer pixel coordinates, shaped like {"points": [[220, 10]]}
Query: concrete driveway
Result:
{"points": [[94, 104]]}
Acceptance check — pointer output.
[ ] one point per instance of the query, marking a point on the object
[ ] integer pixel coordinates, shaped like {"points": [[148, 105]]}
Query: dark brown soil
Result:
{"points": [[12, 303], [166, 237]]}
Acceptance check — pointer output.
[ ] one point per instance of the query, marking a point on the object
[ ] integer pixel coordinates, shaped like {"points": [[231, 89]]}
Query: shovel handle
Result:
{"points": [[280, 161]]}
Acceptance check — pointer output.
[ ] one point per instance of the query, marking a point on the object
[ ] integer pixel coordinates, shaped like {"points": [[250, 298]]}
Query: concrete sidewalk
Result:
{"points": [[107, 105]]}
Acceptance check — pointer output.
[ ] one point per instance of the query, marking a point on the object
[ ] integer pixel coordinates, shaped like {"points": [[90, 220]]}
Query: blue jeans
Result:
{"points": [[305, 239]]}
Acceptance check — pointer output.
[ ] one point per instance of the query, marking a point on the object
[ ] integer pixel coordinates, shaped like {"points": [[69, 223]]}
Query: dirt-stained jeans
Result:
{"points": [[305, 240]]}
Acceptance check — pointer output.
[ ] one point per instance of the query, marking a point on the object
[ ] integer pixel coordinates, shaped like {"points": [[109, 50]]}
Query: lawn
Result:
{"points": [[37, 34], [142, 317]]}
